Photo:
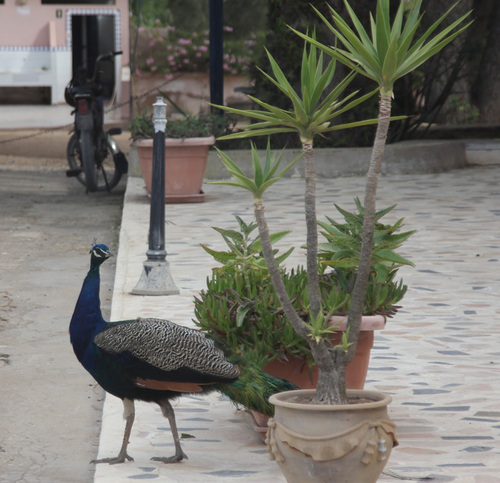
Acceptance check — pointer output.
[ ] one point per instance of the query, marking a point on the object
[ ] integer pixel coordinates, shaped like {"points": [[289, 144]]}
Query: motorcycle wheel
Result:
{"points": [[87, 149], [106, 176]]}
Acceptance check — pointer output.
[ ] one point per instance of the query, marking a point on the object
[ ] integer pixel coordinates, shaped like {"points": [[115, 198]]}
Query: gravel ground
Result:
{"points": [[50, 408]]}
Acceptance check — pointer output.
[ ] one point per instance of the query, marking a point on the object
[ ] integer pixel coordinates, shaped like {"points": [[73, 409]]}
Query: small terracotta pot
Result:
{"points": [[185, 166]]}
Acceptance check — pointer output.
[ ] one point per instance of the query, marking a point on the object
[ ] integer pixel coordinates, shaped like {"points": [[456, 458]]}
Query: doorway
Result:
{"points": [[93, 35]]}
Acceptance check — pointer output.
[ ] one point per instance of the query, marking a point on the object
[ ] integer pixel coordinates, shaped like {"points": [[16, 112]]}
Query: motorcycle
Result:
{"points": [[94, 157]]}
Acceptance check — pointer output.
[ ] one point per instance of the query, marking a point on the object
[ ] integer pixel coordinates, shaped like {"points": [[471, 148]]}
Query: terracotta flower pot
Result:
{"points": [[295, 370], [323, 443], [185, 165]]}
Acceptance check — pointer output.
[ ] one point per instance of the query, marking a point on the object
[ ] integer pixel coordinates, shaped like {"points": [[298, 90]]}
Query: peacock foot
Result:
{"points": [[171, 459], [114, 461]]}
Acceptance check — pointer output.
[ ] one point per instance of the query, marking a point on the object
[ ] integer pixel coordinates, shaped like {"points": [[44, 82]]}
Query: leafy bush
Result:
{"points": [[343, 245], [240, 308], [203, 125]]}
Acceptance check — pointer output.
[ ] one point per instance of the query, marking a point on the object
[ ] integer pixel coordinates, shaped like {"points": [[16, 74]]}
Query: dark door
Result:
{"points": [[93, 35]]}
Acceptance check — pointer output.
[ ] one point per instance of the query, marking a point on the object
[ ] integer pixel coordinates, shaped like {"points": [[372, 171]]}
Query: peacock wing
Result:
{"points": [[159, 350]]}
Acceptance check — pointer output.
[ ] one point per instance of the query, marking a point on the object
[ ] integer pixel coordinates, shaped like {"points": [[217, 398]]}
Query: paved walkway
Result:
{"points": [[439, 358]]}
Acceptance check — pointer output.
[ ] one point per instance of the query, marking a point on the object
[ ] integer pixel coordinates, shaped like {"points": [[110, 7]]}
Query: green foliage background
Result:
{"points": [[435, 93]]}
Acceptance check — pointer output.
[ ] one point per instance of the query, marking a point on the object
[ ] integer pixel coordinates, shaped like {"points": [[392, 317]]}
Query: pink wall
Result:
{"points": [[36, 44], [28, 25]]}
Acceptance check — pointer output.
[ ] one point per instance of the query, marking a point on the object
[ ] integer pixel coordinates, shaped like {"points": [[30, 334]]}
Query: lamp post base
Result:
{"points": [[156, 279]]}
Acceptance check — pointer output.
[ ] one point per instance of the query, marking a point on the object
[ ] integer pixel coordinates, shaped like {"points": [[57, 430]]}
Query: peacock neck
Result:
{"points": [[87, 318]]}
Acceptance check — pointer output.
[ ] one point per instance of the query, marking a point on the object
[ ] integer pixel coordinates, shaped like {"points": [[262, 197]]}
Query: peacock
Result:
{"points": [[156, 361]]}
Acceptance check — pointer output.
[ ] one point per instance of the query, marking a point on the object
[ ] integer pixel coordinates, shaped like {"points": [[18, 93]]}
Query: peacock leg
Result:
{"points": [[168, 412], [128, 415]]}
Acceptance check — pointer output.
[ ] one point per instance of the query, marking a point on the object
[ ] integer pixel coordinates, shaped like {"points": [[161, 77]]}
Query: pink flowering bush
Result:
{"points": [[166, 51]]}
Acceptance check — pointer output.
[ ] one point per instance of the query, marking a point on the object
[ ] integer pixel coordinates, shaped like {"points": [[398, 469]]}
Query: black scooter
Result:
{"points": [[93, 155]]}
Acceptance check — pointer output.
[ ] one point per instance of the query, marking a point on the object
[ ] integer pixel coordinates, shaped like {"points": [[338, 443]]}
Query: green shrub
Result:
{"points": [[239, 306]]}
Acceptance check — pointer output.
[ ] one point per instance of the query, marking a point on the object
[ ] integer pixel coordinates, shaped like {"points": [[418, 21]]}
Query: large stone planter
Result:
{"points": [[323, 443], [185, 165]]}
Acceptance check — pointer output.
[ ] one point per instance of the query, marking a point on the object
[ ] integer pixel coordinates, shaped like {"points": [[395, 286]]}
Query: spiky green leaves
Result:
{"points": [[312, 112], [391, 51], [244, 253], [343, 246], [265, 173]]}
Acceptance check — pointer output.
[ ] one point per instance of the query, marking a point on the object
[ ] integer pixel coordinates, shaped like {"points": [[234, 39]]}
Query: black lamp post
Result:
{"points": [[156, 278], [156, 251], [216, 53]]}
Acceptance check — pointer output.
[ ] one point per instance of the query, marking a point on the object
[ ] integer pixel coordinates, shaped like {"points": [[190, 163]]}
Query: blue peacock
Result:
{"points": [[156, 360]]}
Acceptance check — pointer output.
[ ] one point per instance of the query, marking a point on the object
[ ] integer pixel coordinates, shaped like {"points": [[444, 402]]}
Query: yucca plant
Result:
{"points": [[391, 51], [312, 115]]}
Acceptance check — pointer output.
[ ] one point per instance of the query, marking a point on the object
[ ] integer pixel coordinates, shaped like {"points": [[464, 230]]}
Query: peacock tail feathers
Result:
{"points": [[254, 387]]}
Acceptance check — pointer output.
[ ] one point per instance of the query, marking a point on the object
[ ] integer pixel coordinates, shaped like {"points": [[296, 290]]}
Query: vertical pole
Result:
{"points": [[156, 278], [157, 213], [216, 53]]}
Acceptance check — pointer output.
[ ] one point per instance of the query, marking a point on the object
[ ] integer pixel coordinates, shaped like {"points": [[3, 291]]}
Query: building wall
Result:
{"points": [[36, 44]]}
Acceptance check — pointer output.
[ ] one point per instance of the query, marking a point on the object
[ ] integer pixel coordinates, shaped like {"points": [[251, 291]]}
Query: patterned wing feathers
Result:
{"points": [[166, 346]]}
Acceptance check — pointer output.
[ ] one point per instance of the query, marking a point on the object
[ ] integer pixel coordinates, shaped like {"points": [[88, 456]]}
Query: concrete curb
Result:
{"points": [[407, 157], [48, 151]]}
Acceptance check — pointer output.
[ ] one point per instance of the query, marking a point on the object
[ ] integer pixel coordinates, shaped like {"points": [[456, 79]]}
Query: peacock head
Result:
{"points": [[99, 254]]}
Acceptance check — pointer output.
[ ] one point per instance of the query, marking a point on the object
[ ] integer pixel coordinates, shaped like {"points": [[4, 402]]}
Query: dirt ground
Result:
{"points": [[50, 408]]}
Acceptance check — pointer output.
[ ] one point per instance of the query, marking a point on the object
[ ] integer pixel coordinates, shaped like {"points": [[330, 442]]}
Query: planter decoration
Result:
{"points": [[322, 443], [185, 165]]}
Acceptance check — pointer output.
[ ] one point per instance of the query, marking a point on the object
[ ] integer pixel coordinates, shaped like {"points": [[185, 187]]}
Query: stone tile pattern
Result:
{"points": [[439, 357]]}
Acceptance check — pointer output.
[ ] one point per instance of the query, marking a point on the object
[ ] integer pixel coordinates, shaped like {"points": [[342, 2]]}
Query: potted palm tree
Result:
{"points": [[187, 142], [305, 449], [238, 305], [240, 309]]}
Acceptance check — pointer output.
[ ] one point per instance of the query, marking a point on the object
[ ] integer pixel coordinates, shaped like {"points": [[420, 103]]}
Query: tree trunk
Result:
{"points": [[274, 272], [326, 392], [332, 362], [359, 292], [335, 380], [312, 230]]}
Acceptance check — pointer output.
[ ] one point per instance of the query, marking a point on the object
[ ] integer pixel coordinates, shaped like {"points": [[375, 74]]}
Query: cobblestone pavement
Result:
{"points": [[439, 358]]}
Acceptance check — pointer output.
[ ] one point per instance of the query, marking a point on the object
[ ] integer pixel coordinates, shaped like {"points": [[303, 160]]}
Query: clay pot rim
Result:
{"points": [[379, 399], [368, 322], [200, 141]]}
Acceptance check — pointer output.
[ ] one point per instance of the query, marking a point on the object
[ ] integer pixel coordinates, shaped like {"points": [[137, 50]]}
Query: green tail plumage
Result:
{"points": [[254, 387]]}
